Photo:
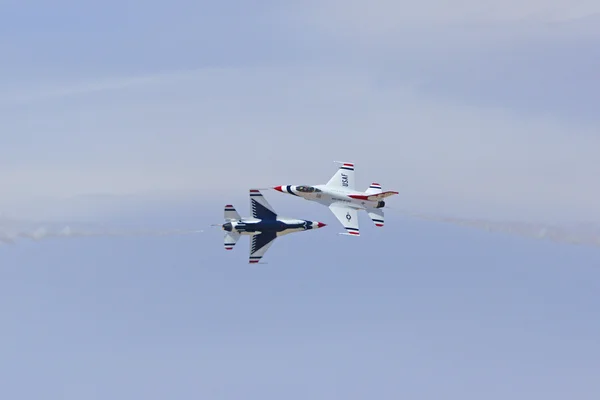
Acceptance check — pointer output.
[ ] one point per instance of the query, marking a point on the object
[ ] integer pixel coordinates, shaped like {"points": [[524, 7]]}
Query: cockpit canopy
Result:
{"points": [[307, 189]]}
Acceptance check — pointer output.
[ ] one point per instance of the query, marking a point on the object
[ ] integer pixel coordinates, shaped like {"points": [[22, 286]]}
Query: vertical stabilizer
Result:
{"points": [[375, 188], [344, 177]]}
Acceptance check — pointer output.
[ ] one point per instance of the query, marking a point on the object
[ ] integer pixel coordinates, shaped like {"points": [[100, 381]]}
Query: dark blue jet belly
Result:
{"points": [[269, 226]]}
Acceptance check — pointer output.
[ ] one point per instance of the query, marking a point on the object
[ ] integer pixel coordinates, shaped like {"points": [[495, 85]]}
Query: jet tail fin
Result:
{"points": [[230, 213], [343, 177]]}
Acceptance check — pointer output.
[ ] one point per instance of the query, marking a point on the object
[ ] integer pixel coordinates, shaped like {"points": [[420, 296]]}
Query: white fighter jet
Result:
{"points": [[340, 195], [264, 226]]}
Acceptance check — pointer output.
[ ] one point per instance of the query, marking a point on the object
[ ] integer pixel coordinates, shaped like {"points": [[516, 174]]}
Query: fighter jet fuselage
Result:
{"points": [[264, 226], [281, 226], [342, 198], [326, 195]]}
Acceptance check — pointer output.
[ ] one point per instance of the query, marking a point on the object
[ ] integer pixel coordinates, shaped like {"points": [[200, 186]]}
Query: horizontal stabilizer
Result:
{"points": [[230, 240], [231, 213], [376, 215], [375, 188]]}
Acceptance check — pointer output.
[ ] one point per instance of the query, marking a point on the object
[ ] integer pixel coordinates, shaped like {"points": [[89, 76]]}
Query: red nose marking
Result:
{"points": [[278, 188], [320, 224]]}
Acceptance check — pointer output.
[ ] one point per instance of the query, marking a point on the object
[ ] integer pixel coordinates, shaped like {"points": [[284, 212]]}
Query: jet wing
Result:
{"points": [[259, 244], [260, 207], [348, 216]]}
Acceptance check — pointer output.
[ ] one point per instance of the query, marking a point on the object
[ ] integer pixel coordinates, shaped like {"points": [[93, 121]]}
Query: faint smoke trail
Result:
{"points": [[4, 239], [10, 236], [582, 234]]}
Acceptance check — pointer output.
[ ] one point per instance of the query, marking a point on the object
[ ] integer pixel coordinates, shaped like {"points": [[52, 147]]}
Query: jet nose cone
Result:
{"points": [[320, 224], [278, 188]]}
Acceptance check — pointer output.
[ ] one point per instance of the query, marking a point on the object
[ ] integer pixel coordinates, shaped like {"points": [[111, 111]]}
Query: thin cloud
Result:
{"points": [[585, 234], [385, 16], [220, 131], [11, 233], [70, 89]]}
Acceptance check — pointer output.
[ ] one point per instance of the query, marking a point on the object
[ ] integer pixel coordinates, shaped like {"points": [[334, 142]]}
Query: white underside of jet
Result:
{"points": [[344, 201]]}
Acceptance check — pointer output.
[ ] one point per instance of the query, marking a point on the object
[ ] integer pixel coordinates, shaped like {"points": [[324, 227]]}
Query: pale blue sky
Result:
{"points": [[473, 115], [142, 114]]}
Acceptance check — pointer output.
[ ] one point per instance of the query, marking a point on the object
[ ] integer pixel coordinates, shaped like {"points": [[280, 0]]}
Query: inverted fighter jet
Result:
{"points": [[264, 226], [340, 195]]}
